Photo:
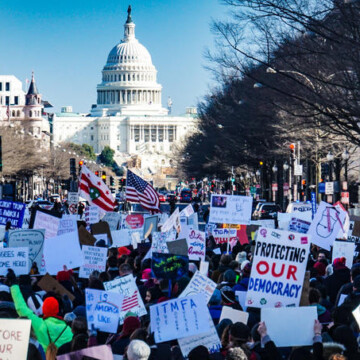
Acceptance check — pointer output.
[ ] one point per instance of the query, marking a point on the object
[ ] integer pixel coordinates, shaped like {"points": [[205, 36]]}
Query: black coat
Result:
{"points": [[335, 281]]}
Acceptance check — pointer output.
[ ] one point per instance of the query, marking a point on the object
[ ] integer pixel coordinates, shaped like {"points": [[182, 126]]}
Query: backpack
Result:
{"points": [[52, 349]]}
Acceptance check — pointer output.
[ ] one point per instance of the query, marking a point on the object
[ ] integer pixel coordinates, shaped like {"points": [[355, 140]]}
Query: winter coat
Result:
{"points": [[41, 326], [335, 281]]}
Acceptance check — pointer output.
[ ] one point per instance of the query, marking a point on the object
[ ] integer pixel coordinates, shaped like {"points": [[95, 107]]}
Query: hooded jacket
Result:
{"points": [[41, 326]]}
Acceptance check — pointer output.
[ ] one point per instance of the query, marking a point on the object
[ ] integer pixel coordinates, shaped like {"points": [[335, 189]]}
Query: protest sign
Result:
{"points": [[94, 259], [48, 222], [73, 198], [134, 221], [285, 218], [159, 240], [102, 352], [187, 211], [101, 227], [92, 215], [14, 258], [344, 249], [67, 224], [126, 286], [230, 209], [169, 266], [60, 251], [290, 326], [173, 222], [199, 283], [150, 224], [102, 237], [178, 247], [103, 310], [13, 212], [14, 338], [278, 269], [204, 267], [197, 245], [326, 225], [178, 318], [298, 225], [113, 219], [85, 238], [241, 296], [48, 283], [121, 237], [234, 315], [222, 236], [209, 339], [268, 223], [193, 221], [34, 240]]}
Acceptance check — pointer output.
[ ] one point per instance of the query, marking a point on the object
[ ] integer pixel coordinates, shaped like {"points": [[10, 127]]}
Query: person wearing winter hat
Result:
{"points": [[241, 257], [215, 306], [228, 298], [51, 328], [138, 350], [131, 323], [199, 352], [243, 284]]}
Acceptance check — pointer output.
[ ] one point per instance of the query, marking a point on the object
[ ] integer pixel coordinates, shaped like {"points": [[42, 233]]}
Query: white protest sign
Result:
{"points": [[94, 259], [241, 296], [113, 219], [73, 198], [224, 235], [34, 240], [326, 225], [285, 218], [268, 223], [121, 237], [14, 338], [204, 267], [62, 250], [298, 225], [14, 258], [290, 326], [197, 245], [159, 240], [356, 314], [234, 315], [92, 214], [188, 211], [67, 224], [209, 339], [230, 209], [172, 222], [278, 269], [193, 221], [103, 310], [132, 299], [344, 249], [178, 318], [47, 222], [199, 283]]}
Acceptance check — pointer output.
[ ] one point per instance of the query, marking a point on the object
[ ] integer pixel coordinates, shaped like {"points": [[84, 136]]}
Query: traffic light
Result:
{"points": [[261, 163], [122, 183], [81, 163], [112, 181], [97, 173], [292, 147], [212, 185], [103, 177], [72, 166]]}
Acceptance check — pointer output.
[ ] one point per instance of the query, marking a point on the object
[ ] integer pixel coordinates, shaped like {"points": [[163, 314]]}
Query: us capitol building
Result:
{"points": [[129, 116]]}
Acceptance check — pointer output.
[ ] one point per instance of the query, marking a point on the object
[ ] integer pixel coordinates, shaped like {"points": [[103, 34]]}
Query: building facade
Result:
{"points": [[128, 116]]}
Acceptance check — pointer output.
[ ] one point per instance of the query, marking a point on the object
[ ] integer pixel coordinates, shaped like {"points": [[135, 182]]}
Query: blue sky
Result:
{"points": [[67, 42]]}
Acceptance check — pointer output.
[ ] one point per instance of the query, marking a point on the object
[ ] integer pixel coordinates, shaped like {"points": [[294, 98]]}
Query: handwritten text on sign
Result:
{"points": [[196, 243], [13, 212], [16, 259], [94, 259]]}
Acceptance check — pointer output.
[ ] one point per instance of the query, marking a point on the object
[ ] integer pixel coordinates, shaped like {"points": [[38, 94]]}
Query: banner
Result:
{"points": [[94, 259], [16, 259], [197, 245], [132, 299], [13, 212], [14, 338], [169, 266], [103, 310], [278, 269], [230, 209], [199, 284], [178, 318], [47, 222]]}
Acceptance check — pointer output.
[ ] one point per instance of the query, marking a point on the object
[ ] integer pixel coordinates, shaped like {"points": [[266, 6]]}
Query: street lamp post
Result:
{"points": [[258, 177], [285, 168], [274, 192], [330, 158], [345, 155]]}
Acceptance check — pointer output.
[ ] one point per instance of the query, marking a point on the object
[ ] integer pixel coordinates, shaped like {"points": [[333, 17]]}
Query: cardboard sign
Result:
{"points": [[209, 339], [169, 266], [150, 224], [278, 269], [178, 318], [173, 222], [113, 219], [103, 310], [134, 221], [230, 209], [102, 352], [159, 240], [62, 250], [85, 238], [34, 240], [14, 258], [326, 225], [48, 283], [290, 326], [222, 236], [298, 225], [199, 284], [132, 299], [234, 315], [13, 212], [94, 259], [48, 222], [197, 245], [178, 247], [67, 224], [344, 249], [101, 228], [14, 338]]}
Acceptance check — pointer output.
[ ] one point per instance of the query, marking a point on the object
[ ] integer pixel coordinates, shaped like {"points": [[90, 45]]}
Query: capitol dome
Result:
{"points": [[129, 83]]}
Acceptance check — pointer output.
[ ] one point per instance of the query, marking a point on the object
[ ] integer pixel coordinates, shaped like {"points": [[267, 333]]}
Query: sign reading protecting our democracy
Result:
{"points": [[103, 310], [14, 338], [278, 269], [169, 266], [94, 259], [197, 245], [16, 259], [178, 318], [13, 212], [230, 209]]}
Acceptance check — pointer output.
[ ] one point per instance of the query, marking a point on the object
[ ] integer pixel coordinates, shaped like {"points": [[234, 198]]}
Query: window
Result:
{"points": [[137, 133], [146, 133], [30, 113], [171, 133], [7, 100], [91, 128], [153, 133], [0, 86], [118, 148], [7, 86], [18, 113], [161, 133], [13, 113]]}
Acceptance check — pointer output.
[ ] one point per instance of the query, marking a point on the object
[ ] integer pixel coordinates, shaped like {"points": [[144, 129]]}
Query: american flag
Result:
{"points": [[130, 302], [139, 191]]}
